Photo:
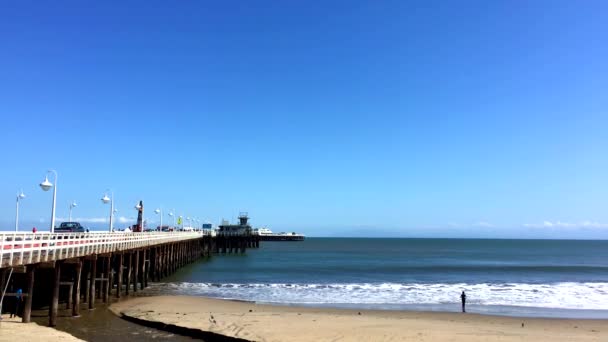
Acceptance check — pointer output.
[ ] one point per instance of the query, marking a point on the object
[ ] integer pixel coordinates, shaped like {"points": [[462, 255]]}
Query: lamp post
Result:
{"points": [[105, 199], [46, 186], [20, 196], [72, 206], [172, 214], [160, 211]]}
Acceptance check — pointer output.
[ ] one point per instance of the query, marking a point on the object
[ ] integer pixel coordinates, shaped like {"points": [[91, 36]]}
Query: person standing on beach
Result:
{"points": [[463, 299]]}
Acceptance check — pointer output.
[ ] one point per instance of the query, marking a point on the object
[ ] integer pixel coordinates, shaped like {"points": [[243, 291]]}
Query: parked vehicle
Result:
{"points": [[70, 227]]}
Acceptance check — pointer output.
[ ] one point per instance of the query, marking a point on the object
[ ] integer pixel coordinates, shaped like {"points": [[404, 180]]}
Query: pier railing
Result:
{"points": [[28, 248]]}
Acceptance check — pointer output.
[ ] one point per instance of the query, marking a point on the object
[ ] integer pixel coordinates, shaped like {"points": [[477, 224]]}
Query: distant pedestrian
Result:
{"points": [[463, 299], [17, 307], [34, 230]]}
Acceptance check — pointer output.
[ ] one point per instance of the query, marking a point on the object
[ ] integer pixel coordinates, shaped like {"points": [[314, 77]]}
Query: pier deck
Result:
{"points": [[76, 268]]}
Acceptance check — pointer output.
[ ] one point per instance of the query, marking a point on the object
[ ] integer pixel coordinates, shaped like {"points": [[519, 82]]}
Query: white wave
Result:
{"points": [[566, 295]]}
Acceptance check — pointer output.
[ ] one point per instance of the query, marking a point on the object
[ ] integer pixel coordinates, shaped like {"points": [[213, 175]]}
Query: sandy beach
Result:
{"points": [[11, 329], [254, 322]]}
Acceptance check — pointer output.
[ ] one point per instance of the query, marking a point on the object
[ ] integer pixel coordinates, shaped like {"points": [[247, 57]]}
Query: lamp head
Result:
{"points": [[157, 211], [73, 205], [46, 185], [105, 199], [170, 214], [21, 195]]}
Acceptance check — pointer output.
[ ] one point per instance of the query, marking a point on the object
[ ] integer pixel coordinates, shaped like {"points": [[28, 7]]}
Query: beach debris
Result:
{"points": [[250, 310], [359, 313], [522, 324]]}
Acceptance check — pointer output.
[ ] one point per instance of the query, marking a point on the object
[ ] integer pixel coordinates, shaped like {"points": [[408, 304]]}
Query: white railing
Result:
{"points": [[28, 248]]}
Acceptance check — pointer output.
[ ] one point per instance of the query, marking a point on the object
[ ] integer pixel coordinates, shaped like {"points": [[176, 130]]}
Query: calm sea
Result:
{"points": [[549, 278]]}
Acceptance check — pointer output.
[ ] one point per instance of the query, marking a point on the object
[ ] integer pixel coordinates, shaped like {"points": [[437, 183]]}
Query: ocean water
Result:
{"points": [[547, 278]]}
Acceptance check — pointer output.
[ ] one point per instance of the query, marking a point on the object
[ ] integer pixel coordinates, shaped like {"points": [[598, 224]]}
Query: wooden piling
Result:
{"points": [[119, 276], [129, 264], [54, 306], [87, 287], [92, 282], [136, 270], [107, 284], [76, 293], [27, 309], [144, 270]]}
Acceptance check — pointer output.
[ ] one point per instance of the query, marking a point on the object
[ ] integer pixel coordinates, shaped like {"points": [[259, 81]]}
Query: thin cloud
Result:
{"points": [[564, 225]]}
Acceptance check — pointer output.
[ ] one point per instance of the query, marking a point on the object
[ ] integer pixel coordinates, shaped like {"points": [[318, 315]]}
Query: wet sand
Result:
{"points": [[100, 325], [254, 322]]}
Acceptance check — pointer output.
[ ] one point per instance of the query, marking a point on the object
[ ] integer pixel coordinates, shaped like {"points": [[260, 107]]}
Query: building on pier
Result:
{"points": [[243, 228]]}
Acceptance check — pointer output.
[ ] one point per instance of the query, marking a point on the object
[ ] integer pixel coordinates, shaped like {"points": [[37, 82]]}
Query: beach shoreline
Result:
{"points": [[261, 322]]}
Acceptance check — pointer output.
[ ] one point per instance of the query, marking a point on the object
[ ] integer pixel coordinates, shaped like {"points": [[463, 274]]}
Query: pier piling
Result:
{"points": [[76, 293]]}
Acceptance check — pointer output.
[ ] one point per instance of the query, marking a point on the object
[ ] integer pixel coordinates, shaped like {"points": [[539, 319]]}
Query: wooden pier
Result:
{"points": [[81, 269]]}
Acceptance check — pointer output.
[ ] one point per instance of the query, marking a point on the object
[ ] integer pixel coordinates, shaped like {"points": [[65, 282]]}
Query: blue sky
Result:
{"points": [[393, 118]]}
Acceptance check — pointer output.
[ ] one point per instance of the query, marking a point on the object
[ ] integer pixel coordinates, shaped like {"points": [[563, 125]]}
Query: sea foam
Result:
{"points": [[564, 295]]}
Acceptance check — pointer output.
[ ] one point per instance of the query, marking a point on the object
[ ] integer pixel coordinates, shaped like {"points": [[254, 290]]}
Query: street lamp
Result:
{"points": [[160, 211], [72, 206], [20, 196], [171, 213], [105, 199], [46, 186]]}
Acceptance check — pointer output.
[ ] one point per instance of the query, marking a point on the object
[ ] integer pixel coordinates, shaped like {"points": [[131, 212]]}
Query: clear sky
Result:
{"points": [[333, 118]]}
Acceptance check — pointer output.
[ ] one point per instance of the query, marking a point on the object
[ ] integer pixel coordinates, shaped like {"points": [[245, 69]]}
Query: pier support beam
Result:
{"points": [[92, 282], [136, 270], [87, 272], [27, 309], [130, 265], [144, 273], [54, 306], [76, 293], [107, 284], [119, 276]]}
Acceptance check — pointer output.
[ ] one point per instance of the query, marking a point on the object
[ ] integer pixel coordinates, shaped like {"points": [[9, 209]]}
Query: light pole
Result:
{"points": [[160, 211], [172, 214], [72, 206], [20, 196], [105, 199], [46, 186]]}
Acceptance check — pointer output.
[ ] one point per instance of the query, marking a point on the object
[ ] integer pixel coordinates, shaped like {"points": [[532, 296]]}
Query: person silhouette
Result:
{"points": [[463, 299]]}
